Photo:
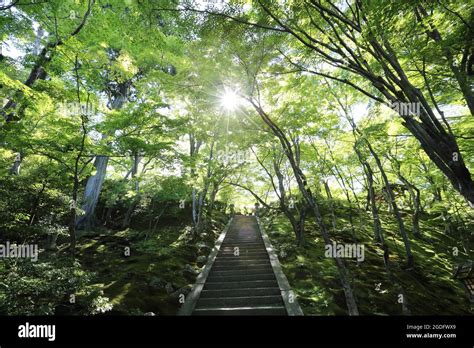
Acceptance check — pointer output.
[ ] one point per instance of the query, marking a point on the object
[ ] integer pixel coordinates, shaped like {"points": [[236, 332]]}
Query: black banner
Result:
{"points": [[133, 331]]}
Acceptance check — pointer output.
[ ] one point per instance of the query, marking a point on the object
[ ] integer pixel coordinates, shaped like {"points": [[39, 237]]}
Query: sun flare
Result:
{"points": [[229, 99]]}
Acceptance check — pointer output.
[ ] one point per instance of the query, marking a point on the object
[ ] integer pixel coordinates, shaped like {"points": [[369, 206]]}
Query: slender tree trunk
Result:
{"points": [[378, 234], [416, 205], [128, 215], [108, 216], [393, 203], [283, 201], [387, 198], [331, 204], [72, 218], [203, 193], [51, 241], [36, 203], [77, 170], [212, 198], [194, 146], [157, 219], [414, 196], [434, 188], [300, 240], [417, 213], [294, 223], [199, 209], [194, 208]]}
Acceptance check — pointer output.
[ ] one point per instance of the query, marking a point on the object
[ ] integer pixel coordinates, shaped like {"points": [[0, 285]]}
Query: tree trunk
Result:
{"points": [[417, 212], [394, 205], [300, 240], [36, 204], [434, 188], [72, 218], [15, 169], [95, 182], [199, 205], [331, 204], [199, 209], [108, 216], [92, 193], [283, 201], [128, 215], [212, 198], [387, 198], [194, 208], [51, 240], [77, 171], [415, 198], [378, 234], [194, 146]]}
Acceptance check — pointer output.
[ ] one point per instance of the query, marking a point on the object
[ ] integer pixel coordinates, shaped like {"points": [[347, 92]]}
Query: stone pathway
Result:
{"points": [[240, 279]]}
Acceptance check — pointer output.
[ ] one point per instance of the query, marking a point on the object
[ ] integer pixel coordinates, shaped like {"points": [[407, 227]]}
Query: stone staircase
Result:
{"points": [[239, 278]]}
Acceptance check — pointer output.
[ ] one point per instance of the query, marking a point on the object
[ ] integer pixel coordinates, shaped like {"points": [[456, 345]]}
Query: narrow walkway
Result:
{"points": [[240, 277]]}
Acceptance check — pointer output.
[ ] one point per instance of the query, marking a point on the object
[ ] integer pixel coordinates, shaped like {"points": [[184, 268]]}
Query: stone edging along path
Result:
{"points": [[289, 297]]}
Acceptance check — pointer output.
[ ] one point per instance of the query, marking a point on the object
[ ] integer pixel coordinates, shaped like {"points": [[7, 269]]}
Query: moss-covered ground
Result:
{"points": [[141, 272], [162, 265], [429, 287]]}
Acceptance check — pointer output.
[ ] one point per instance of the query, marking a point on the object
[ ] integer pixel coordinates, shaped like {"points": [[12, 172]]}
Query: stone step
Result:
{"points": [[243, 250], [240, 284], [243, 257], [233, 234], [261, 310], [240, 277], [248, 268], [243, 253], [243, 244], [220, 273], [232, 248], [240, 292], [220, 258], [242, 247], [243, 240], [240, 262], [249, 245], [239, 301]]}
